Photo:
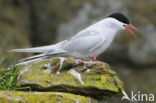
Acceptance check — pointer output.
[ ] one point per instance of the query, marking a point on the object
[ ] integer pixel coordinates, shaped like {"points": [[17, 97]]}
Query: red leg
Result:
{"points": [[97, 61], [92, 59]]}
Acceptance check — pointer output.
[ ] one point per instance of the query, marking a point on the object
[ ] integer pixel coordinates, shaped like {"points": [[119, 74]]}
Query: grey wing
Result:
{"points": [[85, 42], [88, 31]]}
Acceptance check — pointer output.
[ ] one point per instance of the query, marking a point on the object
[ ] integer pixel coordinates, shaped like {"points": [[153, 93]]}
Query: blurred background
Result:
{"points": [[30, 23]]}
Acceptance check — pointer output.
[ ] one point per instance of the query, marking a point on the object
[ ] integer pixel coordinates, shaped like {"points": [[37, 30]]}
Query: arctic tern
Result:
{"points": [[86, 44]]}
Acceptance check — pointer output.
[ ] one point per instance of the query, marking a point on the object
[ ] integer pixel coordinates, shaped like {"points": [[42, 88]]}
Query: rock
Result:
{"points": [[42, 97], [70, 75]]}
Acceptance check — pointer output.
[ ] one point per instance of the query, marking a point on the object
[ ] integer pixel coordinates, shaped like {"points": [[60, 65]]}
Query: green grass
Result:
{"points": [[8, 76]]}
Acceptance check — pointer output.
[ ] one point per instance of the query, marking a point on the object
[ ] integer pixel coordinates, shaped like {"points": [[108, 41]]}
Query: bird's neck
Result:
{"points": [[109, 27], [110, 23]]}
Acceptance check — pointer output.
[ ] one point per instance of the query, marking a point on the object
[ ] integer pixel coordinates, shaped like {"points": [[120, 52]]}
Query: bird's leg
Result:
{"points": [[97, 61], [93, 59]]}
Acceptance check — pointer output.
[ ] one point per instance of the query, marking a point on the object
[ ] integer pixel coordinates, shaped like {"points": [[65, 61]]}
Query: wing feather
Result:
{"points": [[85, 41]]}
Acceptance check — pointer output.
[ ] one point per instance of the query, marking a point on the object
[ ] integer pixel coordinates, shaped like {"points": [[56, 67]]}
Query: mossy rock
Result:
{"points": [[72, 75], [42, 97]]}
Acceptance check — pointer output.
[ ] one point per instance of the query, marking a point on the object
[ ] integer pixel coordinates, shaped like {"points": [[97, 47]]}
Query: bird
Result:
{"points": [[87, 44]]}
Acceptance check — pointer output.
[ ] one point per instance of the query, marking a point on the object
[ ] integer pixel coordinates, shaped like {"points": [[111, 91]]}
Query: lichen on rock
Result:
{"points": [[42, 97], [75, 76]]}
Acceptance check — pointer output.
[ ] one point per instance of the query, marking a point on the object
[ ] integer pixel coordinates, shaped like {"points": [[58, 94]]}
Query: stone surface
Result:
{"points": [[42, 97], [70, 75]]}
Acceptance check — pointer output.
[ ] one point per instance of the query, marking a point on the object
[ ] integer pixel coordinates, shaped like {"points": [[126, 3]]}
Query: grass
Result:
{"points": [[8, 76]]}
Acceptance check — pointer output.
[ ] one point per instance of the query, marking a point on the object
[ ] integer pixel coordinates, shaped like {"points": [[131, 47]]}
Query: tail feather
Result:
{"points": [[30, 61], [33, 57], [37, 57], [46, 51], [40, 56], [35, 50], [40, 49]]}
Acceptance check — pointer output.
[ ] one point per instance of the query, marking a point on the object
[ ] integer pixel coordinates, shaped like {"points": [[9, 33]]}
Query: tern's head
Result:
{"points": [[122, 22]]}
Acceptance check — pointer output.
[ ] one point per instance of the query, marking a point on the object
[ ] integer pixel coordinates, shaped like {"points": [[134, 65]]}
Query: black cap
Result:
{"points": [[120, 17]]}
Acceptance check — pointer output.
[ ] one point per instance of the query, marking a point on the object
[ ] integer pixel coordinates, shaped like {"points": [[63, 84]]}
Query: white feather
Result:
{"points": [[34, 50]]}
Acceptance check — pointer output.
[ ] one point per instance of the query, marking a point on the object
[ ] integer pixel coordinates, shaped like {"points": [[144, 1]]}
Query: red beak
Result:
{"points": [[132, 27]]}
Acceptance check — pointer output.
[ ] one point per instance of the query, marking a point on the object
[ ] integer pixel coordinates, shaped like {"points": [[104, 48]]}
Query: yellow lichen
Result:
{"points": [[42, 97], [104, 68], [103, 79]]}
